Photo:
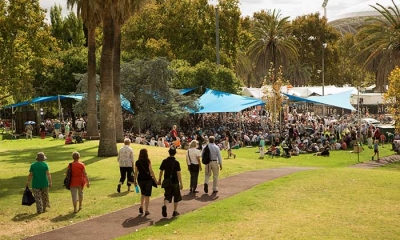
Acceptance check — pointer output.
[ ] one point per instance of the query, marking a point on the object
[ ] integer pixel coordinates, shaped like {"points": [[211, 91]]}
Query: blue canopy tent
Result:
{"points": [[78, 96], [341, 100], [213, 101]]}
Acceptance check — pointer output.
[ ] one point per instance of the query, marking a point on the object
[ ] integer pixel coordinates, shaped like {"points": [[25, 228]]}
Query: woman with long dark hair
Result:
{"points": [[144, 175]]}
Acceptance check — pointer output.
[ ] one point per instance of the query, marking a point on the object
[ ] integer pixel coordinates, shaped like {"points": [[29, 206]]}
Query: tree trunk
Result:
{"points": [[92, 128], [107, 145], [119, 129]]}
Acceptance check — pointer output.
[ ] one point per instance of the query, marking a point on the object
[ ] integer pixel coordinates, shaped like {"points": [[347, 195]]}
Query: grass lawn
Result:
{"points": [[332, 202]]}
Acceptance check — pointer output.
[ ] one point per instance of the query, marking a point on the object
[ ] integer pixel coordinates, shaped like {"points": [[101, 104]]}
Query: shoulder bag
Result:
{"points": [[167, 182], [67, 179], [153, 182]]}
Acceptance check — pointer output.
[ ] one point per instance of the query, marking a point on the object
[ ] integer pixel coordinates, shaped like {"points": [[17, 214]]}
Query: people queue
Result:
{"points": [[138, 173]]}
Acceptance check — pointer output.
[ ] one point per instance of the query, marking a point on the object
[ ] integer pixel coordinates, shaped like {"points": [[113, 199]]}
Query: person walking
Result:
{"points": [[42, 130], [194, 166], [214, 166], [125, 159], [198, 136], [171, 170], [41, 181], [261, 147], [231, 140], [144, 175], [376, 150], [79, 179]]}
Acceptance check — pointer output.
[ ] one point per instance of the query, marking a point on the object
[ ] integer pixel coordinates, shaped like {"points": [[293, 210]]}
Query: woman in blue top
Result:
{"points": [[41, 181]]}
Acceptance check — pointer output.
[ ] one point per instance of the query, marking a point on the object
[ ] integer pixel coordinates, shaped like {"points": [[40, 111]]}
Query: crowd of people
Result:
{"points": [[296, 134]]}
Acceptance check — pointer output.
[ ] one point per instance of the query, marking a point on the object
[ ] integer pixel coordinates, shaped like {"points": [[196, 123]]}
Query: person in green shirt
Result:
{"points": [[262, 147], [41, 181]]}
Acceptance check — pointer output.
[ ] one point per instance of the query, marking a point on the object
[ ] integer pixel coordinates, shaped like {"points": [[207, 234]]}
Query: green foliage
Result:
{"points": [[25, 48], [378, 42], [312, 31], [392, 97], [69, 30], [183, 30], [147, 85], [204, 74], [273, 43]]}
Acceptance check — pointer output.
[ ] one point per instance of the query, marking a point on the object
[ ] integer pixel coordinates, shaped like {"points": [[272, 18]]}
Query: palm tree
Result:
{"points": [[88, 10], [380, 43], [299, 73], [123, 10], [273, 44]]}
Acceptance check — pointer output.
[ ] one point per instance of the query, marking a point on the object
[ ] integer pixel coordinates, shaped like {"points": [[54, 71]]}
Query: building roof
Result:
{"points": [[351, 19]]}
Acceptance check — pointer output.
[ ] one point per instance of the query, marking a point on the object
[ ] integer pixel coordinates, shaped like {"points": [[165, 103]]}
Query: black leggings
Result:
{"points": [[126, 172], [194, 175]]}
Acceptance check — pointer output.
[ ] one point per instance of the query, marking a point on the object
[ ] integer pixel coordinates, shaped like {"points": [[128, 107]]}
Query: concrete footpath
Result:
{"points": [[128, 220]]}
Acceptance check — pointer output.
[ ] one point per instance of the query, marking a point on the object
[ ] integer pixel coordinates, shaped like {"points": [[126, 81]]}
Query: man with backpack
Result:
{"points": [[212, 153]]}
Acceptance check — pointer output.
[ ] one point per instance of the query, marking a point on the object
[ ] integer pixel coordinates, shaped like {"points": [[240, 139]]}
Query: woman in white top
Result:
{"points": [[194, 165]]}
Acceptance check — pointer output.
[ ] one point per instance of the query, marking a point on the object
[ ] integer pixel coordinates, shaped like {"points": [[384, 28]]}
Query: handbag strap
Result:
{"points": [[189, 157], [148, 172]]}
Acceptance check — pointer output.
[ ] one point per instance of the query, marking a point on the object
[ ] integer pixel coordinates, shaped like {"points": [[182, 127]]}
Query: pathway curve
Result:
{"points": [[127, 220]]}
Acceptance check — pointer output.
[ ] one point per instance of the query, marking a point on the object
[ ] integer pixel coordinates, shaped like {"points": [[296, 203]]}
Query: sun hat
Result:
{"points": [[40, 156]]}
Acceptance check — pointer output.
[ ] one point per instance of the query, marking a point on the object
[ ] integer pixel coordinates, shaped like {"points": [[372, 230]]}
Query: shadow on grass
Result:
{"points": [[115, 195], [24, 216], [61, 218]]}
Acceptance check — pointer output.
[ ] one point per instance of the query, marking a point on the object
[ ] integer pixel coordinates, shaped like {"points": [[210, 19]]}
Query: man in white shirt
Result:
{"points": [[125, 159], [214, 166]]}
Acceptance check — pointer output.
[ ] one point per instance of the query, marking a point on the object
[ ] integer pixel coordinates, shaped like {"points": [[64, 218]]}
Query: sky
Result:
{"points": [[291, 8]]}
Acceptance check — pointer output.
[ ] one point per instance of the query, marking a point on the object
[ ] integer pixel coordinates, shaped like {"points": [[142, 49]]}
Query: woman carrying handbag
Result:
{"points": [[194, 166], [41, 181], [144, 175]]}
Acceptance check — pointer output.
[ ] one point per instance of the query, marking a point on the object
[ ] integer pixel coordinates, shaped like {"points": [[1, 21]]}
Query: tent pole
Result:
{"points": [[59, 106]]}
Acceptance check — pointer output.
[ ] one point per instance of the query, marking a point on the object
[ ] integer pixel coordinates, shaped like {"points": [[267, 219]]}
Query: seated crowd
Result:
{"points": [[297, 134]]}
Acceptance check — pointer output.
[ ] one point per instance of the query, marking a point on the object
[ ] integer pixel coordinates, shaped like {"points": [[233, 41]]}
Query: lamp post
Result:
{"points": [[324, 4], [324, 45], [215, 4]]}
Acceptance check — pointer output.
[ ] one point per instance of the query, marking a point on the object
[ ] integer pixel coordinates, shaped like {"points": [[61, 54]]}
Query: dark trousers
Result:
{"points": [[126, 172], [194, 175]]}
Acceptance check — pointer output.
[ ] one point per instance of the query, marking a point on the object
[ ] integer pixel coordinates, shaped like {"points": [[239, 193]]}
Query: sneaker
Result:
{"points": [[140, 210], [119, 188], [164, 211], [175, 213], [215, 191], [205, 187], [147, 213]]}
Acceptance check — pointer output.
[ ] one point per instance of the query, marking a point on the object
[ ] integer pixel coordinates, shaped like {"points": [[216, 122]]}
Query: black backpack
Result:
{"points": [[205, 156]]}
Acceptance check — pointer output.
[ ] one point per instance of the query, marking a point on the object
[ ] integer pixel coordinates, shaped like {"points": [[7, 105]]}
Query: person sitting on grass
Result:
{"points": [[68, 139], [295, 151], [272, 150]]}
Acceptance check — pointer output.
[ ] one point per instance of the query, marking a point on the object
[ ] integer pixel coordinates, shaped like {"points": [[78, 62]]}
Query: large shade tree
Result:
{"points": [[273, 43], [379, 43]]}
